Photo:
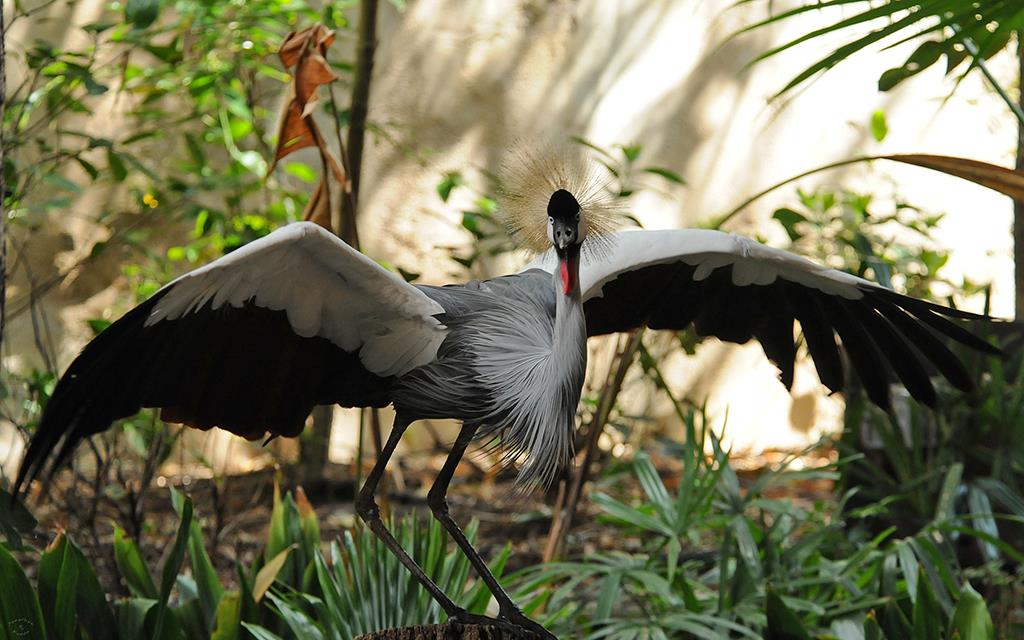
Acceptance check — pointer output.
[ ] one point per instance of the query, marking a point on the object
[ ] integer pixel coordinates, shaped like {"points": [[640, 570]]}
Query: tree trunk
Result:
{"points": [[449, 631]]}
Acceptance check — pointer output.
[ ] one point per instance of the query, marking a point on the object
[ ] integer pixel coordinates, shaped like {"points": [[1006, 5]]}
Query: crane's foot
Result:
{"points": [[527, 629], [519, 619]]}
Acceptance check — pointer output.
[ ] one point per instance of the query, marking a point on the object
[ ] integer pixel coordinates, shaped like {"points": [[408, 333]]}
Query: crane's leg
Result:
{"points": [[507, 609], [368, 510]]}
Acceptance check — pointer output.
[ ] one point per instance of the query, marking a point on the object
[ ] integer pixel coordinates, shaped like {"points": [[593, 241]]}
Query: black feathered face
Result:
{"points": [[565, 224]]}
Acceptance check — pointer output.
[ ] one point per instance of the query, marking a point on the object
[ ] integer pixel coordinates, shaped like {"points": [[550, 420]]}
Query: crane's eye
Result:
{"points": [[551, 220], [578, 216]]}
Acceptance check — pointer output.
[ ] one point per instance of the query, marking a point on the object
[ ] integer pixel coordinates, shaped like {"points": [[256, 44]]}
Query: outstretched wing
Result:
{"points": [[736, 289], [249, 343]]}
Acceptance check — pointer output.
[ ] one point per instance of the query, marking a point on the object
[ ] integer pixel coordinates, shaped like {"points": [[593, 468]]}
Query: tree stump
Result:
{"points": [[448, 631]]}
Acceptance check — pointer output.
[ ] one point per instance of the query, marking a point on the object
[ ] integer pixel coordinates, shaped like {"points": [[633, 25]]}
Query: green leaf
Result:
{"points": [[205, 576], [130, 564], [879, 125], [927, 613], [21, 617], [116, 165], [59, 181], [131, 616], [783, 624], [70, 593], [141, 13], [15, 519], [971, 619], [297, 620], [789, 219], [668, 174], [260, 633], [89, 168], [451, 180], [630, 151], [170, 571], [302, 171], [229, 617]]}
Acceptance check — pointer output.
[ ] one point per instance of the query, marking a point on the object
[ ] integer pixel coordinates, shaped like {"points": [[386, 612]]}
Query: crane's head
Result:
{"points": [[566, 227], [566, 231], [553, 197]]}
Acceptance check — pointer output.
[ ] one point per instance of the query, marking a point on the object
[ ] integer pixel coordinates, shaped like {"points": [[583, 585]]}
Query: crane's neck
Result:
{"points": [[569, 345]]}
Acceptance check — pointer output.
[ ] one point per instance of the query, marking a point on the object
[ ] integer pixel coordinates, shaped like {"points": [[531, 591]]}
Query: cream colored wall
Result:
{"points": [[463, 80], [457, 82]]}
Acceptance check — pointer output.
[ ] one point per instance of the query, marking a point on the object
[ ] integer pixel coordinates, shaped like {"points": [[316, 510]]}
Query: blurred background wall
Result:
{"points": [[457, 82]]}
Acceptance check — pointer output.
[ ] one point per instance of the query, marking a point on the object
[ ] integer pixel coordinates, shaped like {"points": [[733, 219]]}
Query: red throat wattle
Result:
{"points": [[570, 269]]}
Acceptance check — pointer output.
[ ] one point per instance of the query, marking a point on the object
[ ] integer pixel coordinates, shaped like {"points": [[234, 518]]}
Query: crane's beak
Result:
{"points": [[564, 233], [565, 236]]}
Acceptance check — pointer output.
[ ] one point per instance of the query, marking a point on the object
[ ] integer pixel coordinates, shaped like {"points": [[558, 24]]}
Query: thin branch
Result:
{"points": [[722, 220], [365, 49]]}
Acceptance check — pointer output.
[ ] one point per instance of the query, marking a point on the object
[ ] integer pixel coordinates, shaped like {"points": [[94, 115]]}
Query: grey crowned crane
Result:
{"points": [[252, 341]]}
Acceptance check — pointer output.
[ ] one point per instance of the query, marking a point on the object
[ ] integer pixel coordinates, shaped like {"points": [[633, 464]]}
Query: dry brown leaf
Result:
{"points": [[266, 576], [293, 133], [306, 51], [1001, 179]]}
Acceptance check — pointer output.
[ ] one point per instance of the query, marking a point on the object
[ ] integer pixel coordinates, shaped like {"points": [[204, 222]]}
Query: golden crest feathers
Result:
{"points": [[531, 174]]}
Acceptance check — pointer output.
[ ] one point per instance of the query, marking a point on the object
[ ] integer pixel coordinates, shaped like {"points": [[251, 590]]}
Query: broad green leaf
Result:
{"points": [[133, 569], [789, 219], [21, 617], [170, 571], [783, 624], [229, 617], [116, 165], [971, 619], [70, 594], [59, 181], [879, 125], [131, 616], [15, 519], [141, 13], [927, 614], [302, 171], [205, 576]]}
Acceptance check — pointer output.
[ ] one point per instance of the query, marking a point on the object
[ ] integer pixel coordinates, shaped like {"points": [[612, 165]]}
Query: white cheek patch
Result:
{"points": [[551, 231], [582, 228]]}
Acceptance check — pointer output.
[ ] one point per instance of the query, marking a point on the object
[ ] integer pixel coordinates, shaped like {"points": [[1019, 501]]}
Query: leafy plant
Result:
{"points": [[291, 591], [965, 34], [889, 244], [722, 560]]}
